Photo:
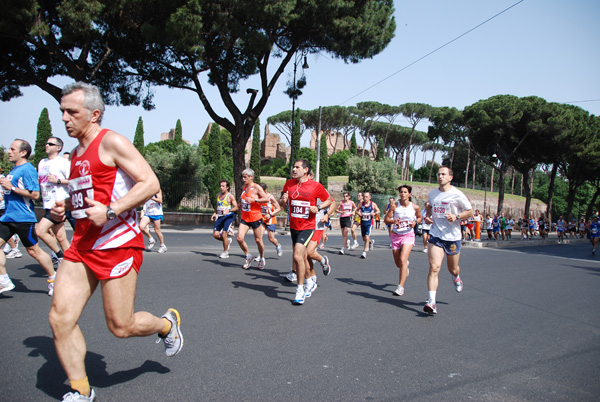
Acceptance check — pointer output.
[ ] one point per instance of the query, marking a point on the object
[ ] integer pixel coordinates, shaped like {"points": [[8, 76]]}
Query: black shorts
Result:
{"points": [[48, 215], [25, 231], [346, 222], [253, 225], [301, 236]]}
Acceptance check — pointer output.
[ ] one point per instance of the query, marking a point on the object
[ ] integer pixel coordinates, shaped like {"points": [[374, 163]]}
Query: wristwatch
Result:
{"points": [[58, 181], [13, 188], [110, 213]]}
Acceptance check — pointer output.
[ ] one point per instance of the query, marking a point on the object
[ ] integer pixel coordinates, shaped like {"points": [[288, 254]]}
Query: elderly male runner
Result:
{"points": [[109, 179], [301, 194], [447, 206], [53, 173], [20, 188]]}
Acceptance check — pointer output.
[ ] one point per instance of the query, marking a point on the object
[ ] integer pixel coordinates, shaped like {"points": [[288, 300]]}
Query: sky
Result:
{"points": [[444, 53]]}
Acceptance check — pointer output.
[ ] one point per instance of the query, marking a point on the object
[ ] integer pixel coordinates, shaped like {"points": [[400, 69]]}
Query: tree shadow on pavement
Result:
{"points": [[52, 380]]}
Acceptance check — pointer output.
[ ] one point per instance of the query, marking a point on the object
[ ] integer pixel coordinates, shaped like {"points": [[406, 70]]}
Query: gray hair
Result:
{"points": [[92, 99], [248, 172]]}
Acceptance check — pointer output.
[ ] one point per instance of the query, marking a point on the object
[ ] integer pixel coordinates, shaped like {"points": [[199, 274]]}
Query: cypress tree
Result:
{"points": [[214, 158], [178, 131], [353, 147], [44, 132], [255, 153], [138, 138], [380, 150]]}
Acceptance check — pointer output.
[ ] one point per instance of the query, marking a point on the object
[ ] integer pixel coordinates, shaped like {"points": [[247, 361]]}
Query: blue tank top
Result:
{"points": [[367, 214]]}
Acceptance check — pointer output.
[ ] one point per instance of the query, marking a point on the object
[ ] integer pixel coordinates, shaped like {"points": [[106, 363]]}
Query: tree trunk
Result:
{"points": [[551, 186], [512, 188], [474, 176], [592, 204], [501, 173], [492, 181], [238, 151], [431, 165], [467, 169], [527, 197]]}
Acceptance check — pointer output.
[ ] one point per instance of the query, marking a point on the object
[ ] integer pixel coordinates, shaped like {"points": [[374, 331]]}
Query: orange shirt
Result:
{"points": [[250, 210]]}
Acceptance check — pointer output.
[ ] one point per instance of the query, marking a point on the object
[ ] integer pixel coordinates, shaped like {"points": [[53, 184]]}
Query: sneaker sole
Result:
{"points": [[429, 310], [7, 289], [178, 329]]}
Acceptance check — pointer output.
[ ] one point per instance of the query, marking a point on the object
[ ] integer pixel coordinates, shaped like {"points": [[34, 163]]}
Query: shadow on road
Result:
{"points": [[51, 377]]}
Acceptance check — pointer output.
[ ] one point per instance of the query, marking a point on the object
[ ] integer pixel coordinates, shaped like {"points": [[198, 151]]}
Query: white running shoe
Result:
{"points": [[371, 243], [77, 397], [430, 307], [279, 251], [291, 276], [257, 259], [248, 262], [399, 291], [348, 243], [162, 249], [458, 284], [299, 298], [425, 250], [224, 254], [363, 255], [50, 287], [309, 288], [6, 248], [230, 232], [342, 251], [56, 262], [326, 267], [151, 242], [14, 253], [355, 245], [261, 263], [321, 246], [6, 286], [174, 340]]}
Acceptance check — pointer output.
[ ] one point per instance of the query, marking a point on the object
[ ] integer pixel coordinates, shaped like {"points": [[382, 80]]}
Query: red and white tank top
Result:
{"points": [[93, 179]]}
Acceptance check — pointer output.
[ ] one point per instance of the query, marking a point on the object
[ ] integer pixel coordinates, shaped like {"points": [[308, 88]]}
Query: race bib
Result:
{"points": [[401, 225], [79, 188], [439, 211], [594, 230], [366, 216], [221, 211], [300, 209], [245, 206], [265, 210]]}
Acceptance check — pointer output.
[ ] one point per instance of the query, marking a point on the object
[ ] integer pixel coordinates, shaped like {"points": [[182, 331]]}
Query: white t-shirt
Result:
{"points": [[153, 208], [319, 215], [442, 202], [52, 192]]}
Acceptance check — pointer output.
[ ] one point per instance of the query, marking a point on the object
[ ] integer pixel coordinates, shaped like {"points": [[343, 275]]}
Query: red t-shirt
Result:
{"points": [[301, 196]]}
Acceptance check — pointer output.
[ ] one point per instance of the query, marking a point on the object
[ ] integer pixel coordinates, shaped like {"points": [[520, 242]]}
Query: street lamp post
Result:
{"points": [[294, 96]]}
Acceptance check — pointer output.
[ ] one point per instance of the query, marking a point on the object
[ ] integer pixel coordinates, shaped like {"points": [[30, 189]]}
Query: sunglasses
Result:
{"points": [[51, 144]]}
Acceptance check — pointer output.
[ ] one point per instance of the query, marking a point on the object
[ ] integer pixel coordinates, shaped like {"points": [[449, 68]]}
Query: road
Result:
{"points": [[526, 327]]}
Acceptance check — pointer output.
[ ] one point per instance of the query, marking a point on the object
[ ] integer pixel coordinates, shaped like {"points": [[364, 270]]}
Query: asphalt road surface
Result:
{"points": [[525, 328]]}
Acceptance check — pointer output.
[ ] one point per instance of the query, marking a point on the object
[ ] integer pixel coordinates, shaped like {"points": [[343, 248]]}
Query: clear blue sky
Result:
{"points": [[546, 48]]}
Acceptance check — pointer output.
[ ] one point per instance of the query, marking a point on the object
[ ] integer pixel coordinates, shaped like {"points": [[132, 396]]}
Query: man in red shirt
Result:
{"points": [[300, 196]]}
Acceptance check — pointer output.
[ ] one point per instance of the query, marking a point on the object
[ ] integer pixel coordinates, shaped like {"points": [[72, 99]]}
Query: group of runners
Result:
{"points": [[107, 179], [310, 206]]}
